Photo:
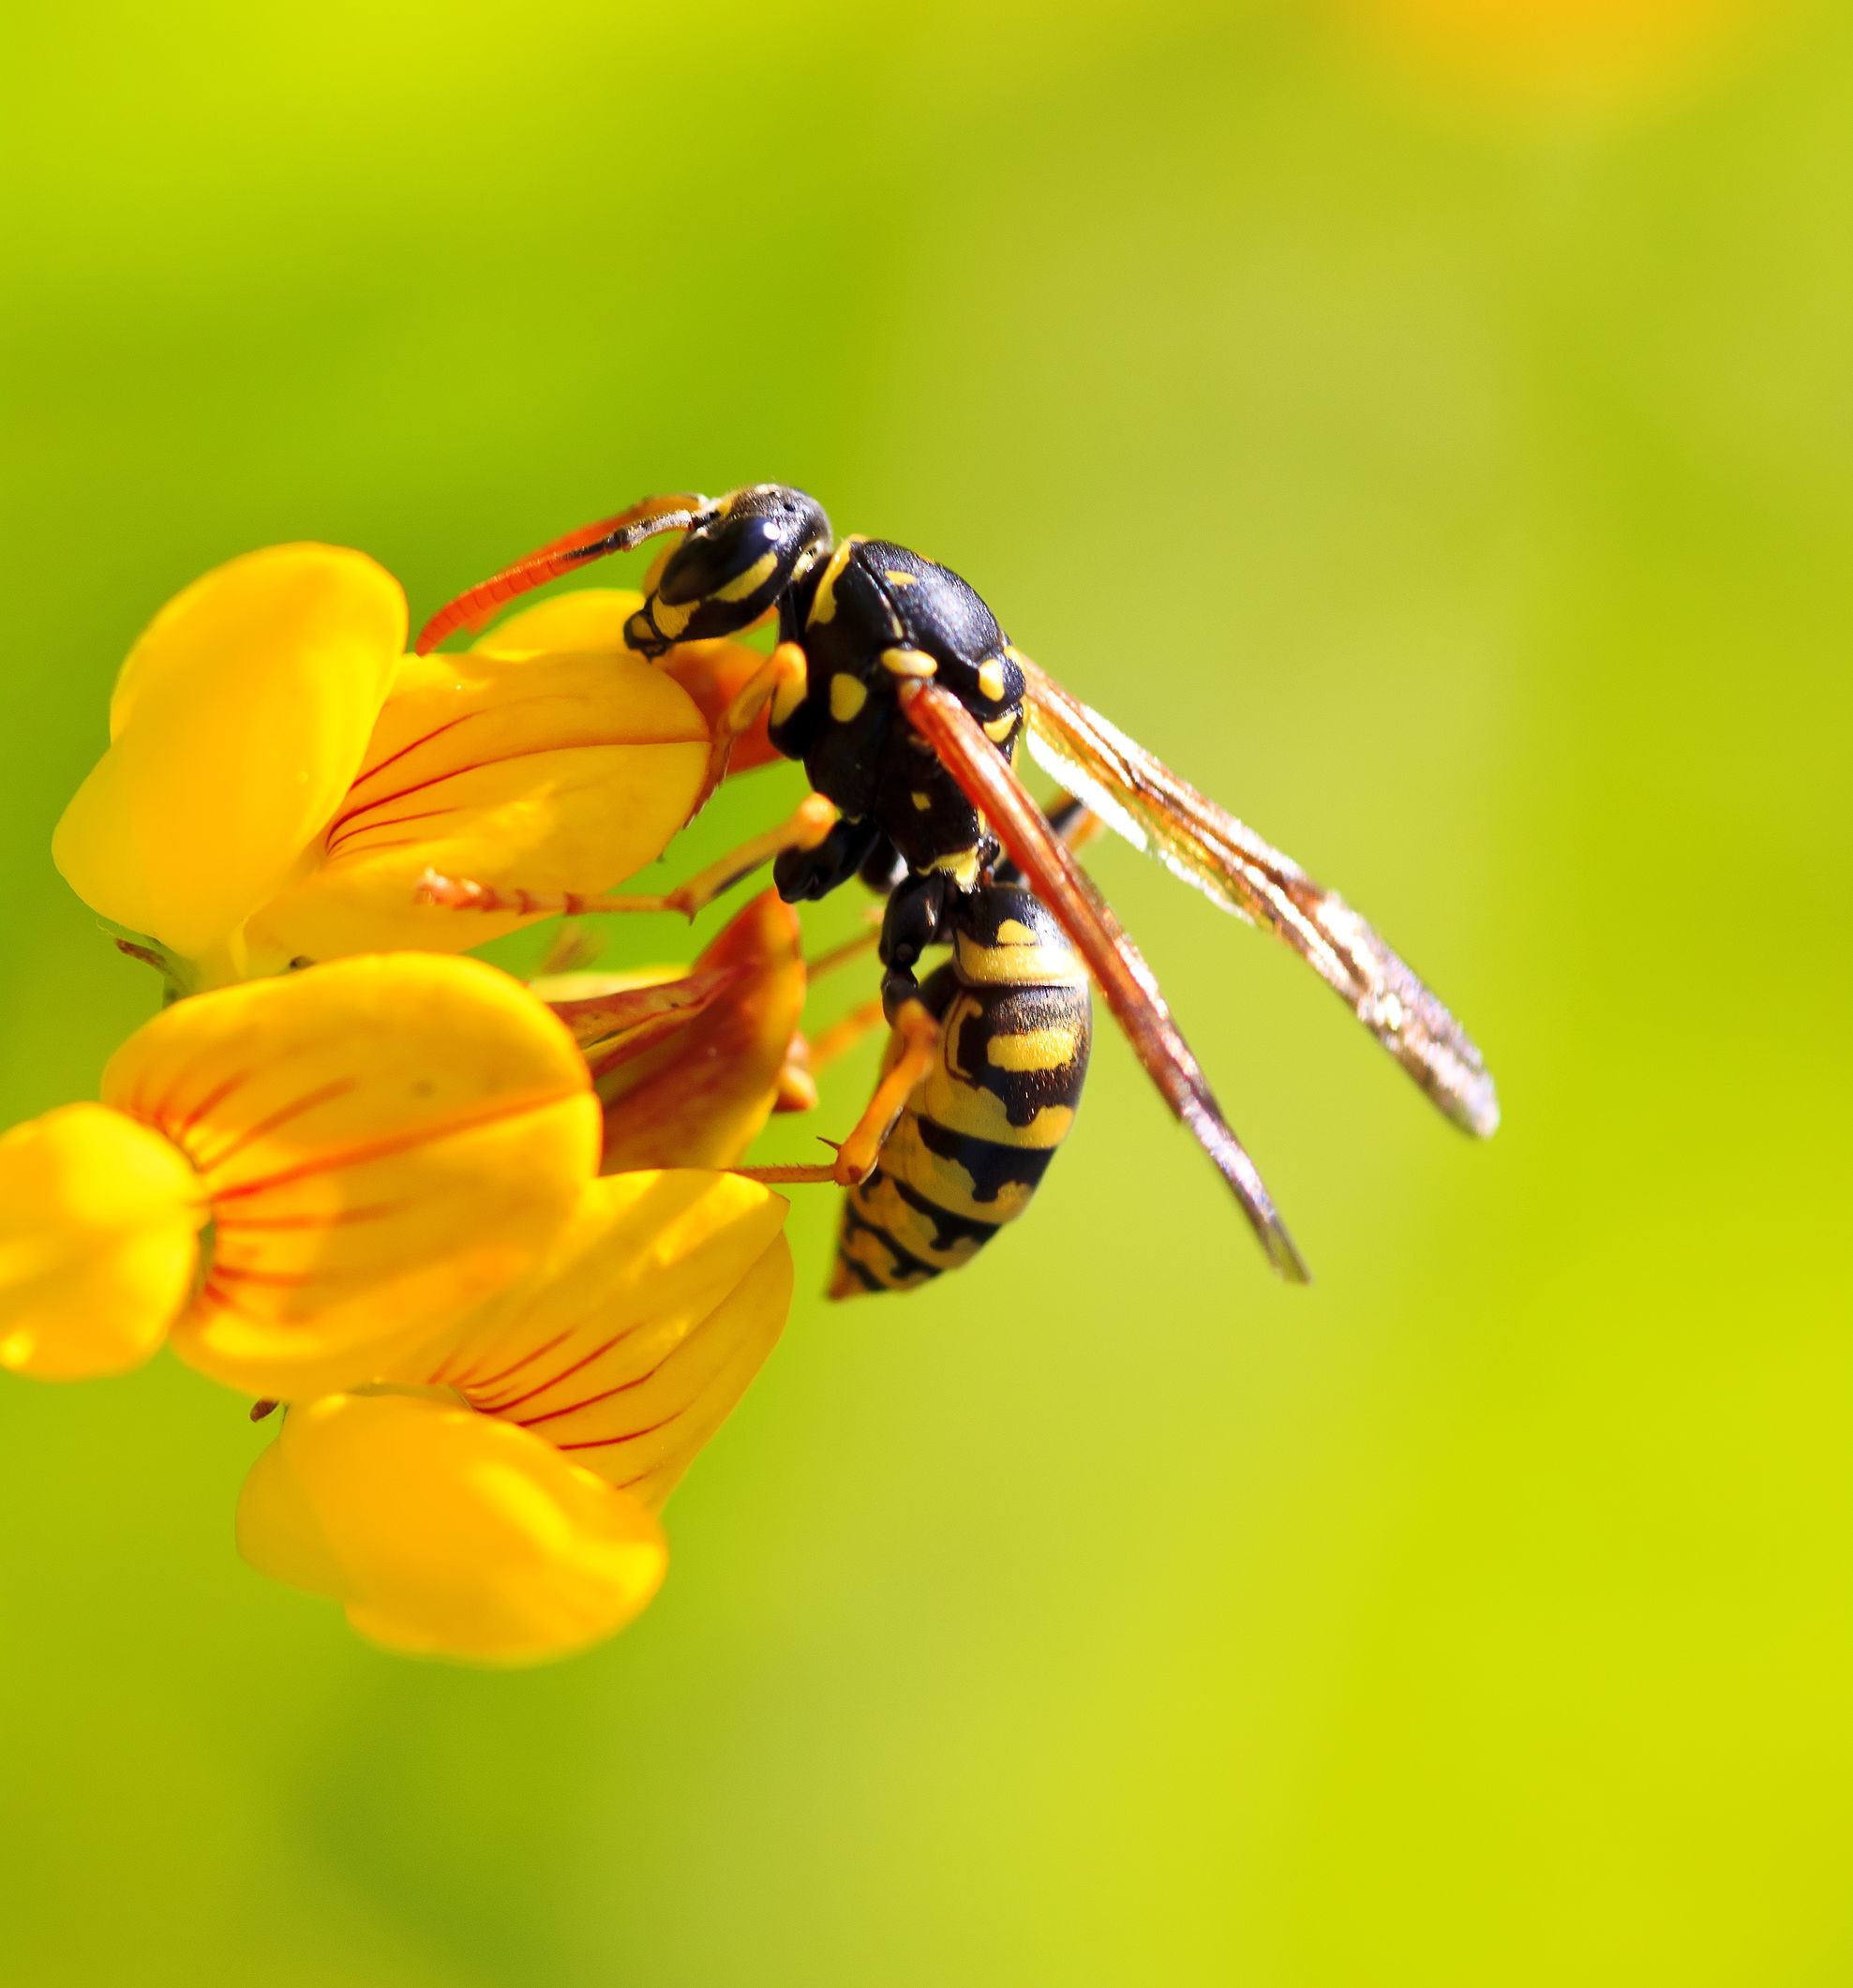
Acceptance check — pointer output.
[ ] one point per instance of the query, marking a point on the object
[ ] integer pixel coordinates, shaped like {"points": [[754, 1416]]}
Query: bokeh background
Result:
{"points": [[1427, 422]]}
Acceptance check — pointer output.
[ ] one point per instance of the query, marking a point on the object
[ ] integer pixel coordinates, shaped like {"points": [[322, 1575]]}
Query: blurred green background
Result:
{"points": [[1426, 422]]}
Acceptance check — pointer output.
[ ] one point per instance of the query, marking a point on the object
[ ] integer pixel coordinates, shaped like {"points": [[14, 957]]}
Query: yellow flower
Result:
{"points": [[591, 622], [495, 1501], [499, 1505], [689, 1068], [297, 1182], [281, 773]]}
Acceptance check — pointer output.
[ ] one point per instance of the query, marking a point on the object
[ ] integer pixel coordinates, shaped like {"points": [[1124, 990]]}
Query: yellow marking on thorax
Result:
{"points": [[751, 581], [999, 729], [908, 663], [991, 680], [847, 696], [961, 866], [790, 691], [922, 801], [1036, 1049], [899, 579], [823, 604]]}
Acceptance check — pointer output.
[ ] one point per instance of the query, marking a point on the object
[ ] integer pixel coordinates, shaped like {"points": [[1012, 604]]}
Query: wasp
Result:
{"points": [[893, 684]]}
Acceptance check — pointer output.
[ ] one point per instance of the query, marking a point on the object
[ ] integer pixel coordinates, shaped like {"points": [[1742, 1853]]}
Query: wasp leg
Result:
{"points": [[811, 870], [784, 672], [830, 1045], [809, 1056], [811, 825], [915, 1043], [916, 911], [910, 1057]]}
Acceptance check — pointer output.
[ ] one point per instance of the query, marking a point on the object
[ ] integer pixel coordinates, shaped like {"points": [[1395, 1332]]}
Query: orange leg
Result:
{"points": [[813, 819], [915, 1044], [864, 943], [840, 1037], [785, 670]]}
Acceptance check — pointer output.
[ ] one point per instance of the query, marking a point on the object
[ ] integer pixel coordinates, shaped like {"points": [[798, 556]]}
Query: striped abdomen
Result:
{"points": [[982, 1125]]}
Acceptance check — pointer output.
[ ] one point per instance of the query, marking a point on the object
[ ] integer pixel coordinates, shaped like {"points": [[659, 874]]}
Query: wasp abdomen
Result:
{"points": [[984, 1122]]}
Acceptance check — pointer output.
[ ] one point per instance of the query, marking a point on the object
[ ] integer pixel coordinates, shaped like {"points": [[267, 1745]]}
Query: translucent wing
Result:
{"points": [[1126, 983], [1155, 811]]}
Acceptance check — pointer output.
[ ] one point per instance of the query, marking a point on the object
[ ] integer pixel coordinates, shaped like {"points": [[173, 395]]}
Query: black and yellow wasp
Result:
{"points": [[894, 686]]}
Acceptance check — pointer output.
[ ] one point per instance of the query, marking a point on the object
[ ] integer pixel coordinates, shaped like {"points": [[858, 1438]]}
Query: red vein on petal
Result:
{"points": [[337, 1219], [469, 1379], [337, 843], [213, 1098], [605, 1443], [210, 1293], [284, 1114], [398, 1142], [437, 732], [528, 752], [573, 1408], [566, 1374]]}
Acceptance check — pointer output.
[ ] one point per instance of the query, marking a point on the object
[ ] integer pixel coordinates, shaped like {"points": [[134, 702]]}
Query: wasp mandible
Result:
{"points": [[894, 686]]}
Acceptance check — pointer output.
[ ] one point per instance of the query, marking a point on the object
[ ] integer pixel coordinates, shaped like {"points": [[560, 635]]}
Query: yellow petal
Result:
{"points": [[238, 722], [589, 623], [553, 773], [99, 1222], [444, 1533], [700, 1096], [385, 1143], [632, 1343]]}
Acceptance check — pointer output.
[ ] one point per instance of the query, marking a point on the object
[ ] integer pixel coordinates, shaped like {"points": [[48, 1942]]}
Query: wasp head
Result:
{"points": [[738, 556]]}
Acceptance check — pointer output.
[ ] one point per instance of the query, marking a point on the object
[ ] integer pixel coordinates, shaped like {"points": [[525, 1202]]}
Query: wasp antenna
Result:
{"points": [[561, 555]]}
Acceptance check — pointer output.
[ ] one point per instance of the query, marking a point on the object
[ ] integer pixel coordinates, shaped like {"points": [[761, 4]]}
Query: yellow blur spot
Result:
{"points": [[1555, 53]]}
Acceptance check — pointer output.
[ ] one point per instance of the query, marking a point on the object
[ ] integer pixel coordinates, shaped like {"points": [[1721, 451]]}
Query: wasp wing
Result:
{"points": [[1155, 811], [1126, 983]]}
